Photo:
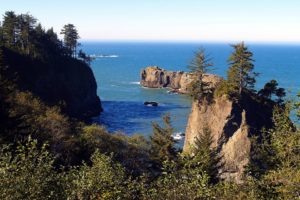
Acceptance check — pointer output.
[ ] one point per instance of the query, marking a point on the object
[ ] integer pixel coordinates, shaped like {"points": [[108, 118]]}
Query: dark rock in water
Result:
{"points": [[150, 103]]}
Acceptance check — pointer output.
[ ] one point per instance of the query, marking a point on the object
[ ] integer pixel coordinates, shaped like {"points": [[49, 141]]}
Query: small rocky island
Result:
{"points": [[176, 81]]}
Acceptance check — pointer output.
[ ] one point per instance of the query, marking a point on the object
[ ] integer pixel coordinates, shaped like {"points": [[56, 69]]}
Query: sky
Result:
{"points": [[169, 20]]}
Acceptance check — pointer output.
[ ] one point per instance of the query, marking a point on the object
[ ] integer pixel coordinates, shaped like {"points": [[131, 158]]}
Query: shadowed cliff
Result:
{"points": [[61, 80]]}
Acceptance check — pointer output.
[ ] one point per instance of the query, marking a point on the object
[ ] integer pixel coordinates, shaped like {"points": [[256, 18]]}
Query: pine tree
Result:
{"points": [[9, 28], [1, 35], [70, 38], [240, 76], [205, 156], [161, 142], [26, 25], [271, 88], [199, 66]]}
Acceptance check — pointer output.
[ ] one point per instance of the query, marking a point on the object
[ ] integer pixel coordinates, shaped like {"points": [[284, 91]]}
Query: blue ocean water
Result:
{"points": [[122, 97]]}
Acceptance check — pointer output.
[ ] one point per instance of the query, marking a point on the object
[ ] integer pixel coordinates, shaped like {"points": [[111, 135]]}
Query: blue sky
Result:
{"points": [[179, 20]]}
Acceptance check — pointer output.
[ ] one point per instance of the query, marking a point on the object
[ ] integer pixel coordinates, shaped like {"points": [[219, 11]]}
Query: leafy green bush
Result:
{"points": [[104, 179], [27, 173]]}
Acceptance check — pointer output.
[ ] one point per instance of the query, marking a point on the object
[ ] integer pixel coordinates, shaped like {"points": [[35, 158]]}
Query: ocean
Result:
{"points": [[117, 71]]}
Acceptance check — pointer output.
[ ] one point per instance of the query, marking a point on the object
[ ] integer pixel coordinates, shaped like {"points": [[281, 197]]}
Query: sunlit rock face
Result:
{"points": [[232, 124], [155, 77]]}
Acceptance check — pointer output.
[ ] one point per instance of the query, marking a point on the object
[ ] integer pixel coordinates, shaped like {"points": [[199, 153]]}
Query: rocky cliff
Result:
{"points": [[61, 81], [155, 77], [232, 124]]}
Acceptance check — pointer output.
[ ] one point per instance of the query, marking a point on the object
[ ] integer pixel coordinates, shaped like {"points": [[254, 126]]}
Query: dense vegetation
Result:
{"points": [[45, 154]]}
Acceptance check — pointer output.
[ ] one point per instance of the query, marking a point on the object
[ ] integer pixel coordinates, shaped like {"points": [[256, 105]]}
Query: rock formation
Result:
{"points": [[155, 77], [65, 81], [232, 124]]}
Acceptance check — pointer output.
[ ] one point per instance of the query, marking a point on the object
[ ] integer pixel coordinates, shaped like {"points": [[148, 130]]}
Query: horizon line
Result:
{"points": [[190, 41]]}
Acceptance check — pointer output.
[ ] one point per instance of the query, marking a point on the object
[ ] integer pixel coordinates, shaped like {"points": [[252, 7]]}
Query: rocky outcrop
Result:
{"points": [[232, 124], [62, 81], [155, 77]]}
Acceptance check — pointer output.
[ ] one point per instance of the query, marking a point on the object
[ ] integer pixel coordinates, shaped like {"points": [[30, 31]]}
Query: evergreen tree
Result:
{"points": [[161, 142], [26, 24], [9, 28], [86, 58], [275, 160], [240, 76], [199, 66], [205, 156], [1, 35], [70, 38], [271, 88]]}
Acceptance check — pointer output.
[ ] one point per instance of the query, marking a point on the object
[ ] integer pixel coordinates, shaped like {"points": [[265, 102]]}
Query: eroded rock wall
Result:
{"points": [[155, 77], [232, 124]]}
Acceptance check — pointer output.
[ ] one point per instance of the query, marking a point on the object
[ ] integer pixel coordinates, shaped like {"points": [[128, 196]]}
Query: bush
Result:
{"points": [[104, 179], [28, 173]]}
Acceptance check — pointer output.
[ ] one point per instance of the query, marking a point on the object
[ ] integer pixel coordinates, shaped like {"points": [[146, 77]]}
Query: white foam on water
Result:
{"points": [[104, 56], [135, 83]]}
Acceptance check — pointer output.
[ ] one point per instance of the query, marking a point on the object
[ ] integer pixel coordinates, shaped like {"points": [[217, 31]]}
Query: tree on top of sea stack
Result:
{"points": [[70, 38], [240, 76], [199, 66]]}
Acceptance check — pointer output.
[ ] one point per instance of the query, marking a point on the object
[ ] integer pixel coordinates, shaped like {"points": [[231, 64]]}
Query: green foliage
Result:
{"points": [[105, 179], [70, 37], [179, 183], [222, 89], [205, 156], [33, 117], [271, 88], [239, 75], [9, 28], [297, 106], [132, 152], [86, 58], [227, 190], [276, 162], [201, 63], [161, 142], [28, 173], [199, 66]]}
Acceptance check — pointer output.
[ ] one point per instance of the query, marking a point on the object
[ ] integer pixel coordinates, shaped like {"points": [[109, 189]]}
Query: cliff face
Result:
{"points": [[64, 80], [232, 124], [155, 77]]}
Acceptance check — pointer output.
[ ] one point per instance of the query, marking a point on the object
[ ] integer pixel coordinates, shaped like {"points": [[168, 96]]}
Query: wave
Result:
{"points": [[135, 83], [104, 56]]}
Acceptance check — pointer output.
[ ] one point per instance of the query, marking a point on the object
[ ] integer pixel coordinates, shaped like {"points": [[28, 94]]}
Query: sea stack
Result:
{"points": [[232, 123], [177, 81]]}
